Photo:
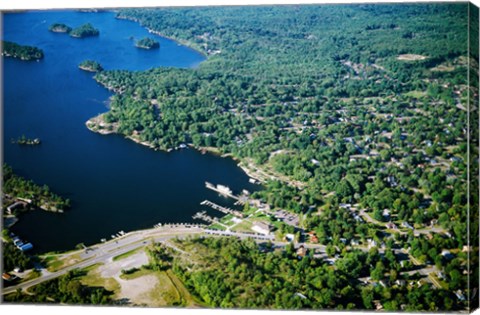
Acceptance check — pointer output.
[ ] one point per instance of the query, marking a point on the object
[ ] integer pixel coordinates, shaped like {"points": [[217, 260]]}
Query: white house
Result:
{"points": [[262, 228]]}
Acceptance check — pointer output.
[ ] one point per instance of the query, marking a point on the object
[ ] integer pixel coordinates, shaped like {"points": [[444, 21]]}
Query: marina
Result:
{"points": [[222, 209], [58, 111], [202, 215], [20, 244]]}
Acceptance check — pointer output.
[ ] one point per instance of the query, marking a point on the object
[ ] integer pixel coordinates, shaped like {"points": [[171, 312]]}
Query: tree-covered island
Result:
{"points": [[85, 30], [59, 28], [90, 66], [10, 49], [147, 43]]}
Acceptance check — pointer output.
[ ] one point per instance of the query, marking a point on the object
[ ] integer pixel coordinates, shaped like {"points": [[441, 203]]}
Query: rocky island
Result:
{"points": [[147, 43], [26, 141], [59, 28], [90, 66], [86, 30]]}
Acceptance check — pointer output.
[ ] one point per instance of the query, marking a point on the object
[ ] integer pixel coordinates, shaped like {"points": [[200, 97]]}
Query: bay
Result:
{"points": [[114, 184]]}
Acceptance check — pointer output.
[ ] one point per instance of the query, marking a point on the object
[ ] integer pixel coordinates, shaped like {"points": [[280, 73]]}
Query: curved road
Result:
{"points": [[104, 252]]}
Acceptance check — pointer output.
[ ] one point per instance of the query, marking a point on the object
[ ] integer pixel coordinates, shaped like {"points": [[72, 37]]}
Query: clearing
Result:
{"points": [[411, 57], [143, 287]]}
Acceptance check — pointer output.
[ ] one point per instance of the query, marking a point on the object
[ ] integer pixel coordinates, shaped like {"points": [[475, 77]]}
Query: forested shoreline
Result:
{"points": [[320, 96], [353, 117]]}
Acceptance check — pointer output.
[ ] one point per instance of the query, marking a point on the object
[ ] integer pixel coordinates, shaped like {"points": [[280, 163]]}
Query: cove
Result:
{"points": [[113, 183]]}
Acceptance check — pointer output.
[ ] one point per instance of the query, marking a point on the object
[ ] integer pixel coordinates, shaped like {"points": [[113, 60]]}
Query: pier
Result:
{"points": [[222, 209], [202, 215], [223, 190], [226, 191]]}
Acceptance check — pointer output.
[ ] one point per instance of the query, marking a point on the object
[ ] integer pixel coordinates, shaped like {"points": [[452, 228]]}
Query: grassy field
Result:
{"points": [[55, 263], [245, 226], [127, 254], [187, 299], [416, 94], [94, 279], [165, 292], [217, 226]]}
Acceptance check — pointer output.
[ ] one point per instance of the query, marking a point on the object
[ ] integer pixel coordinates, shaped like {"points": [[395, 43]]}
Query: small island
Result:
{"points": [[26, 141], [90, 65], [86, 30], [10, 49], [59, 28], [147, 43]]}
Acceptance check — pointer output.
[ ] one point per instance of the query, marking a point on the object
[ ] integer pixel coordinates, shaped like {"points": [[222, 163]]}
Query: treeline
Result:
{"points": [[10, 49], [13, 258], [66, 289]]}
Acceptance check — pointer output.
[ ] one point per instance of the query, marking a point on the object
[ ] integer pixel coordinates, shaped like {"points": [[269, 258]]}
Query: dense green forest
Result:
{"points": [[13, 257], [10, 49], [15, 187], [227, 272], [360, 105], [147, 43], [85, 30]]}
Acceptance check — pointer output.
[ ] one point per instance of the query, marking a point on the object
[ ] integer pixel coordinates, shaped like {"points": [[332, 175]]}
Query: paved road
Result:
{"points": [[425, 230], [102, 253]]}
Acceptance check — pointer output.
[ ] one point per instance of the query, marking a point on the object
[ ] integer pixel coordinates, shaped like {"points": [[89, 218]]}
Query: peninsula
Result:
{"points": [[11, 49], [20, 194]]}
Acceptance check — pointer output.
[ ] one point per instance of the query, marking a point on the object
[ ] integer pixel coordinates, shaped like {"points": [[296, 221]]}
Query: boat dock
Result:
{"points": [[226, 191], [223, 190], [222, 209], [202, 215]]}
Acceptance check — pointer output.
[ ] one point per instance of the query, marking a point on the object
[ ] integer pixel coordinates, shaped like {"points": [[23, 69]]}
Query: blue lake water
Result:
{"points": [[114, 184]]}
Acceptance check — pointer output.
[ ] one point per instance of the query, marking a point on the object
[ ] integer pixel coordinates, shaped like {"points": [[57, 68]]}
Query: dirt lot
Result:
{"points": [[137, 290]]}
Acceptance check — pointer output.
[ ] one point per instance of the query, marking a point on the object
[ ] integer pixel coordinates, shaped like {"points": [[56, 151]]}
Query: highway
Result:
{"points": [[103, 252]]}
